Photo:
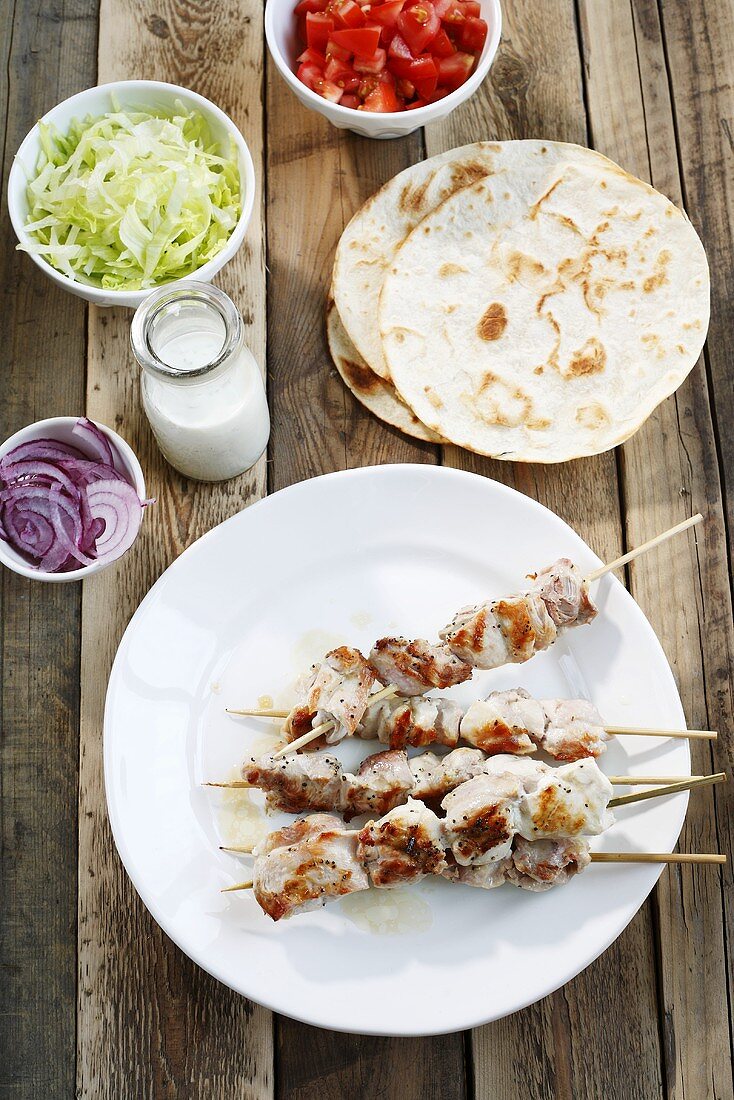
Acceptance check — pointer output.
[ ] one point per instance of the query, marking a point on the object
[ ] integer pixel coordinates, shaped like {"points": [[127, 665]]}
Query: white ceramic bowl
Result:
{"points": [[60, 428], [280, 31], [95, 102]]}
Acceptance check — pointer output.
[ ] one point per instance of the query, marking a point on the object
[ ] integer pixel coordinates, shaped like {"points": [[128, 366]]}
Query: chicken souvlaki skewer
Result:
{"points": [[318, 782], [302, 866], [505, 722], [485, 636]]}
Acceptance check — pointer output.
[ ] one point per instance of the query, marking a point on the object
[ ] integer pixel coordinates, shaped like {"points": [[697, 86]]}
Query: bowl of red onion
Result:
{"points": [[72, 496]]}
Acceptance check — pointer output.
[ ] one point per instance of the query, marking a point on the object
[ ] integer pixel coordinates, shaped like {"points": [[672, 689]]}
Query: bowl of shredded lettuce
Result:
{"points": [[131, 186]]}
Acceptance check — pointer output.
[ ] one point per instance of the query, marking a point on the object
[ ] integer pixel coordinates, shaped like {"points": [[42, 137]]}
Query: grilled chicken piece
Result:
{"points": [[504, 722], [404, 846], [541, 864], [300, 867], [336, 690], [435, 776], [482, 817], [565, 594], [382, 782], [506, 631], [527, 772], [574, 729], [485, 876], [413, 668], [568, 801], [415, 722], [298, 782]]}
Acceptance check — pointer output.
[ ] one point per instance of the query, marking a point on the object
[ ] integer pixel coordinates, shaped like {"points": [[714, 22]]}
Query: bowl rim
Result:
{"points": [[427, 113], [131, 298], [49, 422]]}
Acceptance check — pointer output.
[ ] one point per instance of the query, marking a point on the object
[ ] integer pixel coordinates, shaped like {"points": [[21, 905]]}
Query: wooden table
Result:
{"points": [[93, 996]]}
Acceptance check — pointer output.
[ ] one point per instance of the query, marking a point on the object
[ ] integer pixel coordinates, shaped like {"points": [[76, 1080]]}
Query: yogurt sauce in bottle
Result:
{"points": [[203, 392]]}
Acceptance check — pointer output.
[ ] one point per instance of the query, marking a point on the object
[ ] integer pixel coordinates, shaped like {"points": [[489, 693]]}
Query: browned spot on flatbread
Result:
{"points": [[492, 323], [592, 416], [498, 402], [535, 208], [433, 397], [589, 359], [520, 264], [465, 174], [451, 269], [412, 199], [359, 376], [659, 276]]}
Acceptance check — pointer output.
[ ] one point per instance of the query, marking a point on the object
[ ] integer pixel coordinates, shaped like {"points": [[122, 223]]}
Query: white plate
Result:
{"points": [[356, 555]]}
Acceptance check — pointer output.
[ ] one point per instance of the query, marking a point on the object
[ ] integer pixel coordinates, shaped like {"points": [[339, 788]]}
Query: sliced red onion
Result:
{"points": [[94, 441], [62, 507], [118, 505]]}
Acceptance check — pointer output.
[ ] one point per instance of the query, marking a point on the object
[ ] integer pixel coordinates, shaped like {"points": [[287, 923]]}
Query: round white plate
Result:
{"points": [[353, 556]]}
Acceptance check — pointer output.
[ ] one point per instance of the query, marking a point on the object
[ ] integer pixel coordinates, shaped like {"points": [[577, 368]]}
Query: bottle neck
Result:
{"points": [[187, 336]]}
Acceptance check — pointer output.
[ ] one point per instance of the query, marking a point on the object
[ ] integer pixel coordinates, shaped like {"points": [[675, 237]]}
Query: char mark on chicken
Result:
{"points": [[504, 722], [404, 846], [482, 818], [508, 631], [415, 722], [416, 667]]}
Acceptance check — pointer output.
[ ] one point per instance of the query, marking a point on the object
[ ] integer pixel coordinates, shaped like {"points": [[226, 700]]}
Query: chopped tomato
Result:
{"points": [[362, 40], [473, 35], [472, 8], [442, 46], [312, 57], [329, 91], [405, 89], [339, 72], [383, 100], [399, 49], [419, 25], [453, 71], [386, 14], [415, 69], [347, 13], [332, 50], [454, 13], [318, 30], [415, 104], [374, 64], [306, 6], [349, 100]]}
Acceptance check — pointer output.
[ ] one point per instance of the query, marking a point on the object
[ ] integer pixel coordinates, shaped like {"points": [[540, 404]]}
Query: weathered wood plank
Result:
{"points": [[669, 469], [42, 337], [317, 177], [535, 90], [151, 1024]]}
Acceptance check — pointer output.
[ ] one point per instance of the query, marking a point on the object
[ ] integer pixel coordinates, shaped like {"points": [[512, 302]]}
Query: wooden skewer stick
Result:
{"points": [[657, 857], [632, 554], [673, 788], [643, 780], [693, 735], [235, 784], [243, 849], [237, 886], [311, 735], [267, 713]]}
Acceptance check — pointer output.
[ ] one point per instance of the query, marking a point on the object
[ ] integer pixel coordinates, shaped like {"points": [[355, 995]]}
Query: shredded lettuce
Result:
{"points": [[132, 199]]}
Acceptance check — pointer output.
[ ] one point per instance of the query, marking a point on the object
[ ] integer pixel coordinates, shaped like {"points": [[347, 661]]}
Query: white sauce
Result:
{"points": [[213, 427]]}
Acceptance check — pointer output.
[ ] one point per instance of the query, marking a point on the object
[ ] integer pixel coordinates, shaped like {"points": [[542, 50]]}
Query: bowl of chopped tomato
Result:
{"points": [[383, 68]]}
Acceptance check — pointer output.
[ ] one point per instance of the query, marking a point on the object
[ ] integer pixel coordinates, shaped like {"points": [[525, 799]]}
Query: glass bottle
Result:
{"points": [[203, 392]]}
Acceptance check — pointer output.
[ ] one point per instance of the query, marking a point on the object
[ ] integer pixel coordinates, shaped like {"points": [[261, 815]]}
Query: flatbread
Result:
{"points": [[375, 394], [542, 313], [369, 242]]}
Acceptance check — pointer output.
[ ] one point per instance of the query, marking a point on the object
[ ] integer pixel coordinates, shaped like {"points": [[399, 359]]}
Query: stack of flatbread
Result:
{"points": [[528, 300]]}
